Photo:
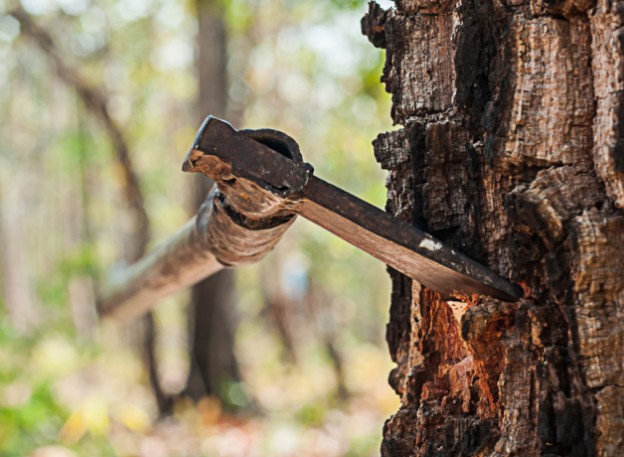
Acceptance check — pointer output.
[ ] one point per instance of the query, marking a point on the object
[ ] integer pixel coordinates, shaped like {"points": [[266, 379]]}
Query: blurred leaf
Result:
{"points": [[74, 428], [134, 418], [53, 451], [95, 414], [312, 414], [209, 409], [54, 357]]}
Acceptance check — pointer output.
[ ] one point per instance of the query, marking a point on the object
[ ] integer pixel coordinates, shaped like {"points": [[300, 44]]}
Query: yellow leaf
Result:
{"points": [[96, 416], [134, 418], [74, 428], [209, 409]]}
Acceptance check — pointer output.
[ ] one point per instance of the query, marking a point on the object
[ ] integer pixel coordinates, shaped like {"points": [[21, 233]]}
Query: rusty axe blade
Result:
{"points": [[400, 245], [271, 159]]}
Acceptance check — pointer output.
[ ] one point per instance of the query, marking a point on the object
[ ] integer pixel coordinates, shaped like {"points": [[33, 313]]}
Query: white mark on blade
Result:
{"points": [[431, 245]]}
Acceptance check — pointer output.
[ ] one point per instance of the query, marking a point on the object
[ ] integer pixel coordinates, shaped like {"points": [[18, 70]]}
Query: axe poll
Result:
{"points": [[261, 185]]}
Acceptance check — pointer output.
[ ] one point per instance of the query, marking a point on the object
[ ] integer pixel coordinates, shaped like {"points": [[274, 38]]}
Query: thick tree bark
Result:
{"points": [[511, 150], [212, 311]]}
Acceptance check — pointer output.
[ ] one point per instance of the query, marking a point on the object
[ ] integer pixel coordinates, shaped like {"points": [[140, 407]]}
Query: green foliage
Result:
{"points": [[311, 414], [33, 424], [29, 414], [348, 4], [235, 396]]}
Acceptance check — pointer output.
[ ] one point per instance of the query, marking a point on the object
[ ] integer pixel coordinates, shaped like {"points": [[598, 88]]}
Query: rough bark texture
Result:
{"points": [[512, 150]]}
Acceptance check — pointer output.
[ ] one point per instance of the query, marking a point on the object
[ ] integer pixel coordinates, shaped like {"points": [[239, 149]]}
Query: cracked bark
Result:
{"points": [[511, 150]]}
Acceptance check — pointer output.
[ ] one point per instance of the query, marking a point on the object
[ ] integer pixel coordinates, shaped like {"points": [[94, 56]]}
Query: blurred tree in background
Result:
{"points": [[214, 368], [311, 315]]}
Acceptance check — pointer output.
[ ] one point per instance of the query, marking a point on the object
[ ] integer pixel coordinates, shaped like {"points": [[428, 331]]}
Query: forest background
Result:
{"points": [[73, 385]]}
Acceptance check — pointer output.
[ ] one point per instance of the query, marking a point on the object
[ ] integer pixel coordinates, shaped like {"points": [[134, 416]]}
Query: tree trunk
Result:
{"points": [[16, 291], [213, 301], [512, 151]]}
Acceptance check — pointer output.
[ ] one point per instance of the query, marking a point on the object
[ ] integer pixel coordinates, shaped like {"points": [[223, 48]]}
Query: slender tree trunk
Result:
{"points": [[82, 291], [327, 330], [512, 151], [16, 291], [213, 301]]}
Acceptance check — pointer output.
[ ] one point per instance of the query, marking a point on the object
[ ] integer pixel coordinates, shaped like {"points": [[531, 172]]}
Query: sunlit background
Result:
{"points": [[71, 385]]}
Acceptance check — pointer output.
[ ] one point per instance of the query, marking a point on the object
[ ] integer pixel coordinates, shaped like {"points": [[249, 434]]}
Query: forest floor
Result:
{"points": [[60, 398]]}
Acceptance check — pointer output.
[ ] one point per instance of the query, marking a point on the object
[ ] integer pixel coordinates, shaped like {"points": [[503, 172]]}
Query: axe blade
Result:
{"points": [[400, 245]]}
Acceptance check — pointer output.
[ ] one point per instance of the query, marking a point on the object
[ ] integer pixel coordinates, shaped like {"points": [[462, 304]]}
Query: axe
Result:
{"points": [[261, 185]]}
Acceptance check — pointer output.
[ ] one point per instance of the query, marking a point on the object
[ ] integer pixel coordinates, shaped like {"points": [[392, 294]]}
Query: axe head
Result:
{"points": [[268, 158], [242, 162]]}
